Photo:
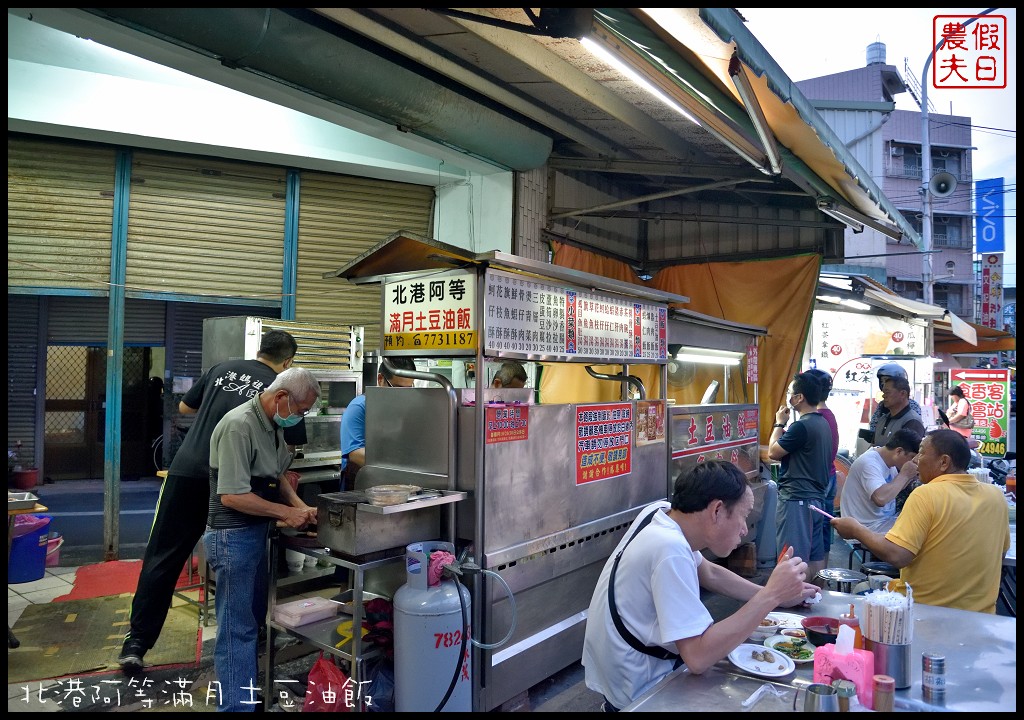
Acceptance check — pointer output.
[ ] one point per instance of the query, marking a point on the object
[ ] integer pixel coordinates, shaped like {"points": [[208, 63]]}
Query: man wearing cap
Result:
{"points": [[885, 372], [899, 413]]}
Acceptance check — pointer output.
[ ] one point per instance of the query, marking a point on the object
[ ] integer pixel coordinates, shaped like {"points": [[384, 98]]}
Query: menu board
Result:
{"points": [[537, 317], [429, 313]]}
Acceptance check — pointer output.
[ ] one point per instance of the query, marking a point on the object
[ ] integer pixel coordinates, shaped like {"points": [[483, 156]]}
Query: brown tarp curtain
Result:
{"points": [[777, 294]]}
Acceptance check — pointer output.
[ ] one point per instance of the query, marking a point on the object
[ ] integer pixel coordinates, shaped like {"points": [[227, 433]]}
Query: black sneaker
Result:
{"points": [[131, 656]]}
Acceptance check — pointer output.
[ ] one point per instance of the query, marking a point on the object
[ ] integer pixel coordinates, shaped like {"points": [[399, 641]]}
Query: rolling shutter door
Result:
{"points": [[204, 227], [83, 321], [340, 217], [60, 200], [22, 381], [185, 331]]}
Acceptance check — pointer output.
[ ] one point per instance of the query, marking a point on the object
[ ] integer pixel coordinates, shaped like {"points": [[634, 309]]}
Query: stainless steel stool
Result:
{"points": [[844, 580]]}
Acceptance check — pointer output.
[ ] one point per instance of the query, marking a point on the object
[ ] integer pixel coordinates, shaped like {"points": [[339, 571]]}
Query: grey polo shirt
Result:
{"points": [[246, 444]]}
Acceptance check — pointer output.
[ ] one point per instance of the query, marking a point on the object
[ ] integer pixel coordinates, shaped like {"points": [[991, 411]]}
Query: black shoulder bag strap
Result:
{"points": [[634, 642]]}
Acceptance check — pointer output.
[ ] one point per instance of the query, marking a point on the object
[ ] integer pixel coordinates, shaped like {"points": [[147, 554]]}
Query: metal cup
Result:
{"points": [[819, 697], [892, 660]]}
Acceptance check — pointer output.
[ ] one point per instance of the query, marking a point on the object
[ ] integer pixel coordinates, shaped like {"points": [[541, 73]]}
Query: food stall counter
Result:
{"points": [[981, 668]]}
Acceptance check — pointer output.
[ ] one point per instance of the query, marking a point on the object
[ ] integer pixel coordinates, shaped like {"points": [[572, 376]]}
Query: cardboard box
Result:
{"points": [[304, 611]]}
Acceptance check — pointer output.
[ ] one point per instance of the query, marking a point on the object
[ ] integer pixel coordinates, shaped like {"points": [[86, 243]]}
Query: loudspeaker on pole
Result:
{"points": [[942, 184]]}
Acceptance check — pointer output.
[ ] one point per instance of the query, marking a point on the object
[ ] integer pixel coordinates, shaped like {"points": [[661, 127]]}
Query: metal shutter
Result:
{"points": [[77, 321], [206, 227], [60, 200], [340, 217], [22, 380], [185, 333]]}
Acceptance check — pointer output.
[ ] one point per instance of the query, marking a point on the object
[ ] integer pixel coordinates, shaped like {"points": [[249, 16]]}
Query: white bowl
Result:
{"points": [[769, 627]]}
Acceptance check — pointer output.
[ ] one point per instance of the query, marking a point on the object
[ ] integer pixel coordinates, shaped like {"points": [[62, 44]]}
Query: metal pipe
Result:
{"points": [[631, 379]]}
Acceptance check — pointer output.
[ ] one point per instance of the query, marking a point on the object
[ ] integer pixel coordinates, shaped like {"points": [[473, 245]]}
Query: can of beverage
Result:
{"points": [[933, 678]]}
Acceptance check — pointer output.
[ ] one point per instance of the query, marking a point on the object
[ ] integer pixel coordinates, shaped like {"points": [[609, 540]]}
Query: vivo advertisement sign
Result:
{"points": [[988, 203]]}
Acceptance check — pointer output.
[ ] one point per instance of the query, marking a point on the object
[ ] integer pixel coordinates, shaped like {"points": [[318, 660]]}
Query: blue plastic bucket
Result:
{"points": [[28, 551]]}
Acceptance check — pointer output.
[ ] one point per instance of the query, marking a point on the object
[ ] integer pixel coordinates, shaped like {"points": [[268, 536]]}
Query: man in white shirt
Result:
{"points": [[869, 494]]}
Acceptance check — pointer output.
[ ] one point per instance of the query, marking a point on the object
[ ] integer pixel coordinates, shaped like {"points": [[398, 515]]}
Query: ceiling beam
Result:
{"points": [[644, 198], [654, 168], [695, 217]]}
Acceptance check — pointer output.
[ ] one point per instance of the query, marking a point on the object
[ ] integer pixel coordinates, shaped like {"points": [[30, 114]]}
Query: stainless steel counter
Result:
{"points": [[981, 668]]}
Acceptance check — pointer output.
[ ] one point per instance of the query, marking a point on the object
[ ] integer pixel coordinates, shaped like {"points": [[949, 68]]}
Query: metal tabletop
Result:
{"points": [[981, 667]]}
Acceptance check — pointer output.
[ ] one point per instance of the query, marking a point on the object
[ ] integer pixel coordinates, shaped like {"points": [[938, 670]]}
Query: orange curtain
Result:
{"points": [[776, 294]]}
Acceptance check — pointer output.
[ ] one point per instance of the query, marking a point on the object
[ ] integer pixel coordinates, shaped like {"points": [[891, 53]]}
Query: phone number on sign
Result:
{"points": [[436, 340]]}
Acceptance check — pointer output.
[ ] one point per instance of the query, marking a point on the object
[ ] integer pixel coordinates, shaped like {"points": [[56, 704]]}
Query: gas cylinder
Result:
{"points": [[429, 638]]}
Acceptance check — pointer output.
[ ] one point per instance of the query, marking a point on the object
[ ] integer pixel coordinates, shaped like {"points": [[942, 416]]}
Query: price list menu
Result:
{"points": [[536, 317]]}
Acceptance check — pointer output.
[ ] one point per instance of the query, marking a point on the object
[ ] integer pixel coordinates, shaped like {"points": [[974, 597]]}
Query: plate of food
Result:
{"points": [[786, 620], [759, 660], [796, 649], [798, 633]]}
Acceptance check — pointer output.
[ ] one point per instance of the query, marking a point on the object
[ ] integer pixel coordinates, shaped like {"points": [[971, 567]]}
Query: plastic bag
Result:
{"points": [[24, 524], [327, 687], [381, 685]]}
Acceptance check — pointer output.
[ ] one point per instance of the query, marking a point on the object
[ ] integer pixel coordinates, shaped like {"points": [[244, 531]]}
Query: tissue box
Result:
{"points": [[305, 610], [857, 665]]}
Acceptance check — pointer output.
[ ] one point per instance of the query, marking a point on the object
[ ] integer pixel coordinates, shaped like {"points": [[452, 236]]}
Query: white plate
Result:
{"points": [[776, 639], [742, 658], [786, 620]]}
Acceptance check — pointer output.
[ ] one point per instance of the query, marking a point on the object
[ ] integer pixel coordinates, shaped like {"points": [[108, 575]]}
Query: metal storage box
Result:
{"points": [[349, 526]]}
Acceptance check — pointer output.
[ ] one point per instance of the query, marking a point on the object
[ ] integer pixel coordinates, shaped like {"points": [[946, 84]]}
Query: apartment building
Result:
{"points": [[859, 105]]}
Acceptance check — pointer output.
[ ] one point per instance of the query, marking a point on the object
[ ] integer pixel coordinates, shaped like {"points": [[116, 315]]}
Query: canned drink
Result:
{"points": [[933, 677]]}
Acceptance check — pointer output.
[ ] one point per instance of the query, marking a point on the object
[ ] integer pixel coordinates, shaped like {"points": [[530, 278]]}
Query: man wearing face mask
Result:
{"points": [[353, 422], [248, 491], [181, 512], [805, 450]]}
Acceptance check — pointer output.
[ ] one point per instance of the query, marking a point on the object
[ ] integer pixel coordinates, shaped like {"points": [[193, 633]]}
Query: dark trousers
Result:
{"points": [[179, 524]]}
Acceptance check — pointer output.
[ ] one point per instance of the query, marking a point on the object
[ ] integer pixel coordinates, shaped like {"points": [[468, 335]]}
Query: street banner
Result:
{"points": [[988, 392]]}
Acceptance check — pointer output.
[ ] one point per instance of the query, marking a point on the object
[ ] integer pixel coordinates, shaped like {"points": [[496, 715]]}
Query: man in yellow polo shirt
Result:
{"points": [[951, 521]]}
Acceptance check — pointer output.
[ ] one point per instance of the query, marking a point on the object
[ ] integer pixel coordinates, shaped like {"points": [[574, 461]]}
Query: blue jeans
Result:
{"points": [[238, 557]]}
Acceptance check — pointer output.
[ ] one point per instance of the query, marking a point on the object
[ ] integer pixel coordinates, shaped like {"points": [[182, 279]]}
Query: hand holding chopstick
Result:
{"points": [[782, 555]]}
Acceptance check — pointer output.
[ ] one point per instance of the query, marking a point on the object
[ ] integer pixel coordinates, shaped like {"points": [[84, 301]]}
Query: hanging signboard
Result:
{"points": [[430, 314], [992, 291], [988, 392], [528, 316], [604, 433], [839, 339]]}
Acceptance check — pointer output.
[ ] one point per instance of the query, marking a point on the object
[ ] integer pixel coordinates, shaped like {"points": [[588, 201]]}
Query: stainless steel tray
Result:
{"points": [[20, 500]]}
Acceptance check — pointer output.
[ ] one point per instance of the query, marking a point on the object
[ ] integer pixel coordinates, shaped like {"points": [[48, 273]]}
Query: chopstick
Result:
{"points": [[819, 510], [785, 549]]}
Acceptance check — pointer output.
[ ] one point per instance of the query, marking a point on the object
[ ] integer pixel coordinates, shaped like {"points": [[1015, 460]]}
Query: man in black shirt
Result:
{"points": [[184, 499]]}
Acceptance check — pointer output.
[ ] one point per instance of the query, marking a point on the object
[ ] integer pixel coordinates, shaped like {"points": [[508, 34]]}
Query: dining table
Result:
{"points": [[981, 668]]}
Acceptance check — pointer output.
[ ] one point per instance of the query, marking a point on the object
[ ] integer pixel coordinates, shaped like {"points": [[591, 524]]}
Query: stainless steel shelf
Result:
{"points": [[324, 633]]}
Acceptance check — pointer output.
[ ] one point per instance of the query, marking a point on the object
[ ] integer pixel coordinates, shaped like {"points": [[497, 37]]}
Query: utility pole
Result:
{"points": [[926, 172]]}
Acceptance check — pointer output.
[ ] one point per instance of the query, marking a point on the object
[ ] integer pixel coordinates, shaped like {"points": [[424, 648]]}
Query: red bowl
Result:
{"points": [[820, 630]]}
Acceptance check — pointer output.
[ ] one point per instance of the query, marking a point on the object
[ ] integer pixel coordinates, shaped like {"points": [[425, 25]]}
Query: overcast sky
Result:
{"points": [[815, 42]]}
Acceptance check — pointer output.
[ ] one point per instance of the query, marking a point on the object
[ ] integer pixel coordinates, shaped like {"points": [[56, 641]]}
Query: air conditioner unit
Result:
{"points": [[896, 151]]}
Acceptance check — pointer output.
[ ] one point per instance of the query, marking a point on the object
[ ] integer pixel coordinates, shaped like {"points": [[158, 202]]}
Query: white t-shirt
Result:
{"points": [[658, 598], [868, 473]]}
